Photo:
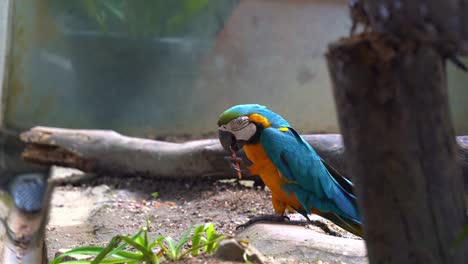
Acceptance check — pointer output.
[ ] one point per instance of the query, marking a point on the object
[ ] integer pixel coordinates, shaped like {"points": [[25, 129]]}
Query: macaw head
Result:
{"points": [[243, 124]]}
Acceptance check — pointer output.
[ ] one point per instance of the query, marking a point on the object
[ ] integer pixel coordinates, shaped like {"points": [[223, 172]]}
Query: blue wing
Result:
{"points": [[307, 177]]}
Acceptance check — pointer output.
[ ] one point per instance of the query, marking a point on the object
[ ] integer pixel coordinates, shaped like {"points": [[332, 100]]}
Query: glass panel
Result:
{"points": [[158, 67], [124, 65]]}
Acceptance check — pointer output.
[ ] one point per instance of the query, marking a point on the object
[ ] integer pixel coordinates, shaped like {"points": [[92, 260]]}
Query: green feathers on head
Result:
{"points": [[249, 109]]}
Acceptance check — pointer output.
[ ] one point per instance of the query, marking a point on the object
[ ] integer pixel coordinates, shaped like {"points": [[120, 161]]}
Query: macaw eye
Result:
{"points": [[239, 123]]}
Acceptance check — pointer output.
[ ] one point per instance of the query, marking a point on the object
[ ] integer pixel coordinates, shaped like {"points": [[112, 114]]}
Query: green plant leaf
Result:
{"points": [[148, 254], [202, 245], [167, 252], [140, 240], [211, 235], [196, 239], [246, 259], [76, 262], [119, 250], [95, 251], [156, 241], [146, 235], [128, 255], [143, 238], [111, 249], [115, 241], [172, 247], [117, 256], [184, 238], [87, 250], [204, 237], [106, 261]]}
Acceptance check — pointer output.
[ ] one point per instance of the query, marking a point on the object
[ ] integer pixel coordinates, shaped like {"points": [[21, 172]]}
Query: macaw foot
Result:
{"points": [[264, 218], [258, 184], [233, 159], [235, 162]]}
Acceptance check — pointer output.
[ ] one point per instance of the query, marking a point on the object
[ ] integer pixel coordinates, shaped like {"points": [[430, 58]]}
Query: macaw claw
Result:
{"points": [[264, 218], [235, 167], [235, 163], [233, 159]]}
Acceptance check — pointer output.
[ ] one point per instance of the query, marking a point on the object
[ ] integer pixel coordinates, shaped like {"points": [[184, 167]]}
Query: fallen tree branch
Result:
{"points": [[100, 151]]}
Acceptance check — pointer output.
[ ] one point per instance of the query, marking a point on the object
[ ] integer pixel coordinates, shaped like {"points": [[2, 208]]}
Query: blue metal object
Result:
{"points": [[27, 200], [28, 191]]}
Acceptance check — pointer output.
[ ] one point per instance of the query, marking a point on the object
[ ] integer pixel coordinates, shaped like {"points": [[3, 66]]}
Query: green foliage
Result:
{"points": [[246, 259], [204, 239], [140, 17]]}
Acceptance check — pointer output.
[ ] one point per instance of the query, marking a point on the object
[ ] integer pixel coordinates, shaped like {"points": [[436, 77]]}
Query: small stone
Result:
{"points": [[233, 250]]}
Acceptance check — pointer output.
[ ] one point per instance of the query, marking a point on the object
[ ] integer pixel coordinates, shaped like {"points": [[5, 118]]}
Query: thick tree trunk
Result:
{"points": [[400, 147], [441, 24]]}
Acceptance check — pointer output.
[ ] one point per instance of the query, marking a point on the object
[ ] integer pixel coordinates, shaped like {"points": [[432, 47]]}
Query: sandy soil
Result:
{"points": [[93, 213]]}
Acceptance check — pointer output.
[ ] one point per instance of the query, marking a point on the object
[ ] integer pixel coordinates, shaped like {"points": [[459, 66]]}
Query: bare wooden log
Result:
{"points": [[392, 105], [109, 152]]}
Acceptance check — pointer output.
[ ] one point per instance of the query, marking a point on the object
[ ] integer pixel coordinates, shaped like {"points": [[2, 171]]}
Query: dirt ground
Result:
{"points": [[122, 205], [92, 213]]}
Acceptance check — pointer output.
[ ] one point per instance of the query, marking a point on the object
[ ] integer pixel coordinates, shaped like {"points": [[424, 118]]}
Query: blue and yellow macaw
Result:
{"points": [[299, 180]]}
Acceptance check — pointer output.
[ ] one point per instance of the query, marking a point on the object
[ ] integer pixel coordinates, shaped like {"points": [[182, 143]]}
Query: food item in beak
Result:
{"points": [[235, 163]]}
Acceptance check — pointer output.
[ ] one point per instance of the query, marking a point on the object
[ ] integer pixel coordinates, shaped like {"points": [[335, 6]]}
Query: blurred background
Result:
{"points": [[151, 69]]}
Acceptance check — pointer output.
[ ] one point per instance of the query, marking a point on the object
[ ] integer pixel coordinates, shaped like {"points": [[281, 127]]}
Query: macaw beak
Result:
{"points": [[229, 141]]}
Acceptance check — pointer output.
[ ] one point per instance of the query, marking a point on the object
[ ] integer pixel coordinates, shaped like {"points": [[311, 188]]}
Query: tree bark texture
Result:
{"points": [[442, 24], [393, 112]]}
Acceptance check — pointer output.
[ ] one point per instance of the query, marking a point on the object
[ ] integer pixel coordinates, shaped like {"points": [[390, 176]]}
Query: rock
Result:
{"points": [[233, 250], [64, 176], [296, 244]]}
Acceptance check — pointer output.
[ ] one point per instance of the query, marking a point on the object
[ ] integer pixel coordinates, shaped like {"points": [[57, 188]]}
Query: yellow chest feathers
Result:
{"points": [[270, 175]]}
